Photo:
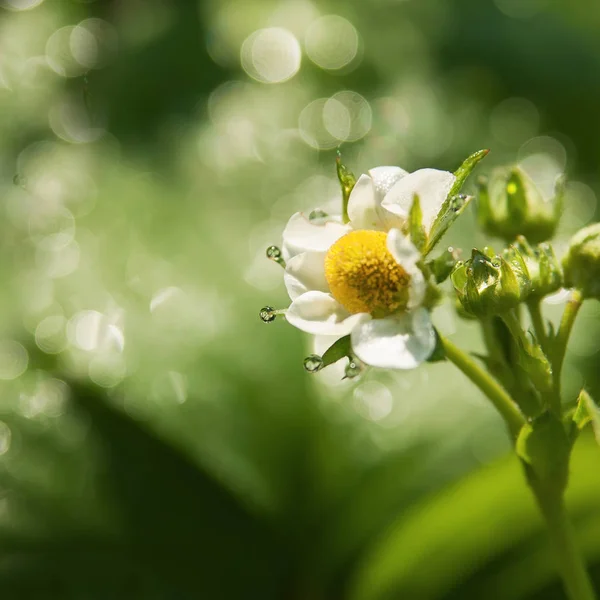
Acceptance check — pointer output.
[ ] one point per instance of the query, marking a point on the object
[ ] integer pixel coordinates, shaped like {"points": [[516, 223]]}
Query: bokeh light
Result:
{"points": [[331, 42], [271, 55]]}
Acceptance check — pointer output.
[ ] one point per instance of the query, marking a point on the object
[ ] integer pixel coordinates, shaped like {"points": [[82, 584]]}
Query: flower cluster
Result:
{"points": [[363, 277]]}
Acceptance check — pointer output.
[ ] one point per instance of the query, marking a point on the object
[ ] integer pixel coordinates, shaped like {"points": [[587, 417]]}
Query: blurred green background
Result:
{"points": [[158, 441]]}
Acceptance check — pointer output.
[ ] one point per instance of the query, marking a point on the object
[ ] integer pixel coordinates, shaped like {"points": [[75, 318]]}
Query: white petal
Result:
{"points": [[430, 185], [300, 235], [416, 292], [384, 179], [321, 314], [407, 256], [363, 205], [402, 249], [305, 272], [396, 342]]}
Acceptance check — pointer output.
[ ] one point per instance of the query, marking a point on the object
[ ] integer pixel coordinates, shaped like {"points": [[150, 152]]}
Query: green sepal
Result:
{"points": [[534, 362], [543, 444], [416, 230], [451, 209], [455, 203], [465, 170], [347, 181], [587, 411], [443, 265], [338, 350], [439, 353]]}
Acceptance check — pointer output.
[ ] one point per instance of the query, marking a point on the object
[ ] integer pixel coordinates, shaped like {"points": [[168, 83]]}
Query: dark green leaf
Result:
{"points": [[338, 350], [438, 354]]}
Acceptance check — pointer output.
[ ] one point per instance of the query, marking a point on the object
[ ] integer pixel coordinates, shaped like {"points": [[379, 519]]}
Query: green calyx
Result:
{"points": [[488, 284], [510, 205], [582, 261], [544, 268]]}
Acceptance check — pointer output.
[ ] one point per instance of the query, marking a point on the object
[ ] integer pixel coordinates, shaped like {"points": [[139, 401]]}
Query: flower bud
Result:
{"points": [[582, 262], [488, 284], [544, 269], [510, 205]]}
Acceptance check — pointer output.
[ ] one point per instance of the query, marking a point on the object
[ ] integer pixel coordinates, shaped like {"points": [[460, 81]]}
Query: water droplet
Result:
{"points": [[274, 254], [20, 180], [313, 363], [267, 314], [317, 215], [353, 369], [496, 263]]}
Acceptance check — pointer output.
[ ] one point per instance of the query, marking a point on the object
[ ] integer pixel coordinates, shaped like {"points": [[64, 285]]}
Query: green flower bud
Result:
{"points": [[582, 262], [488, 284], [544, 269], [511, 205]]}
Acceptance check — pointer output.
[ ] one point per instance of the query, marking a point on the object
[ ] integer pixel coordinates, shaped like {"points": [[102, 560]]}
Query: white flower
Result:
{"points": [[361, 278]]}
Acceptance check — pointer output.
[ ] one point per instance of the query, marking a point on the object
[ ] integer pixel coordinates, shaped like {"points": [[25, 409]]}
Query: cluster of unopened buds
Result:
{"points": [[365, 278]]}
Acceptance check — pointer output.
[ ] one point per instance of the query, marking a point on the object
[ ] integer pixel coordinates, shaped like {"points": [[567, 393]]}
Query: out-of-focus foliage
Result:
{"points": [[156, 439]]}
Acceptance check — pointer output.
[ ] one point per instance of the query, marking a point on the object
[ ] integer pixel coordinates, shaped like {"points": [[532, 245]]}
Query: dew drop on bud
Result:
{"points": [[313, 363], [274, 254], [267, 314], [353, 369]]}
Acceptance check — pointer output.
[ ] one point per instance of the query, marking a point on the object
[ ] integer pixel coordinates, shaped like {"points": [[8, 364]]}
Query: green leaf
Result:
{"points": [[347, 181], [454, 204], [410, 559], [337, 351], [415, 225], [587, 411], [543, 444]]}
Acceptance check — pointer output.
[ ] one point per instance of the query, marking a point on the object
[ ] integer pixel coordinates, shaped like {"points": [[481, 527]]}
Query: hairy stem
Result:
{"points": [[488, 385]]}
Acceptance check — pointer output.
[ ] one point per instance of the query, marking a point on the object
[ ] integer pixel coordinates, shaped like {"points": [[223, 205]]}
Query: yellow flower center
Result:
{"points": [[364, 277]]}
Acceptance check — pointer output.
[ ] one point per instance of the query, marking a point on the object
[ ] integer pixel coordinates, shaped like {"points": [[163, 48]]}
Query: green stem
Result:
{"points": [[488, 385], [569, 561], [535, 312], [512, 322], [562, 337]]}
